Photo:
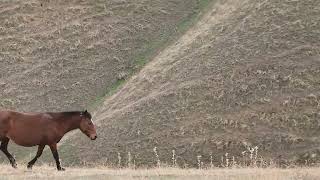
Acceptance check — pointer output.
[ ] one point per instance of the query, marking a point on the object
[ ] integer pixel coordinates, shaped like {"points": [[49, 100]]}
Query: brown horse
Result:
{"points": [[41, 129]]}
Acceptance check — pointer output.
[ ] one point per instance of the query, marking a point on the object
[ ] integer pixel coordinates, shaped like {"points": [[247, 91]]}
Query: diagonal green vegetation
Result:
{"points": [[151, 48], [108, 92]]}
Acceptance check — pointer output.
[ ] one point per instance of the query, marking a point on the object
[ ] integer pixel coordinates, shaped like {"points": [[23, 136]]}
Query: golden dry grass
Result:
{"points": [[48, 172]]}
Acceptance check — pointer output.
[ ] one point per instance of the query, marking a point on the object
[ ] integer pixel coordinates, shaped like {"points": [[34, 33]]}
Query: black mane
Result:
{"points": [[71, 113], [79, 113]]}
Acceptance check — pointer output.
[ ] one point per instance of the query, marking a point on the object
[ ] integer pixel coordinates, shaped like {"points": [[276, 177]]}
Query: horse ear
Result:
{"points": [[85, 111]]}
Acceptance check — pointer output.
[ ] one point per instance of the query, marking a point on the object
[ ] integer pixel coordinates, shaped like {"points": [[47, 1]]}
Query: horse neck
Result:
{"points": [[70, 124]]}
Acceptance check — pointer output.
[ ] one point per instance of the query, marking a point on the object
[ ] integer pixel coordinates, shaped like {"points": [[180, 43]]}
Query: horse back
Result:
{"points": [[9, 119], [29, 129]]}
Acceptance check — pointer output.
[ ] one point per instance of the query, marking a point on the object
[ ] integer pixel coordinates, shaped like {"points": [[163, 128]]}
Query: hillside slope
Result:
{"points": [[67, 55], [64, 55], [248, 74]]}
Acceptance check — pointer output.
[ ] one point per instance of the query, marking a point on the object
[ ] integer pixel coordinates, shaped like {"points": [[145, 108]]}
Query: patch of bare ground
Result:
{"points": [[247, 75]]}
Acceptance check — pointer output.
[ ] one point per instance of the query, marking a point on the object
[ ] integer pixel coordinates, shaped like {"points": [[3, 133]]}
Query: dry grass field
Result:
{"points": [[47, 172]]}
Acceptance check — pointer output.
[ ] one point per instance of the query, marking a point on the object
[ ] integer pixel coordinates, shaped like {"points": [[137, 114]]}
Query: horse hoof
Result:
{"points": [[29, 167], [14, 166], [61, 169]]}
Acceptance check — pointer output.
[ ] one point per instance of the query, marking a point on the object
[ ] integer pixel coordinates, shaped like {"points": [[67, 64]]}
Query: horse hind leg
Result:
{"points": [[39, 152], [4, 149]]}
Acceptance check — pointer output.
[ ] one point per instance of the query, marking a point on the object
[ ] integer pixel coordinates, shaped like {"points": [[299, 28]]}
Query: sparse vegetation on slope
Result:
{"points": [[61, 55], [246, 75], [67, 55]]}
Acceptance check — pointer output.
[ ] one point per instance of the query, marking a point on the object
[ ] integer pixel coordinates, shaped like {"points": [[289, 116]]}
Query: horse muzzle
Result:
{"points": [[93, 137]]}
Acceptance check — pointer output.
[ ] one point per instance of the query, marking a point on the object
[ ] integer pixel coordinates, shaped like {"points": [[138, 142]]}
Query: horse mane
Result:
{"points": [[73, 113], [70, 113]]}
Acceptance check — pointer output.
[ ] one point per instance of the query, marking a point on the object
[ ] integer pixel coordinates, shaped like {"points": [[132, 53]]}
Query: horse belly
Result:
{"points": [[27, 139]]}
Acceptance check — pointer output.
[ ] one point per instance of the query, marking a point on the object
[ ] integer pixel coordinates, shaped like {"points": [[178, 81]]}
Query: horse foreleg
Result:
{"points": [[55, 154], [39, 152], [4, 149]]}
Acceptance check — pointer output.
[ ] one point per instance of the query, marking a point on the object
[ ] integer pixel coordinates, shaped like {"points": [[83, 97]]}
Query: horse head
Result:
{"points": [[87, 126]]}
